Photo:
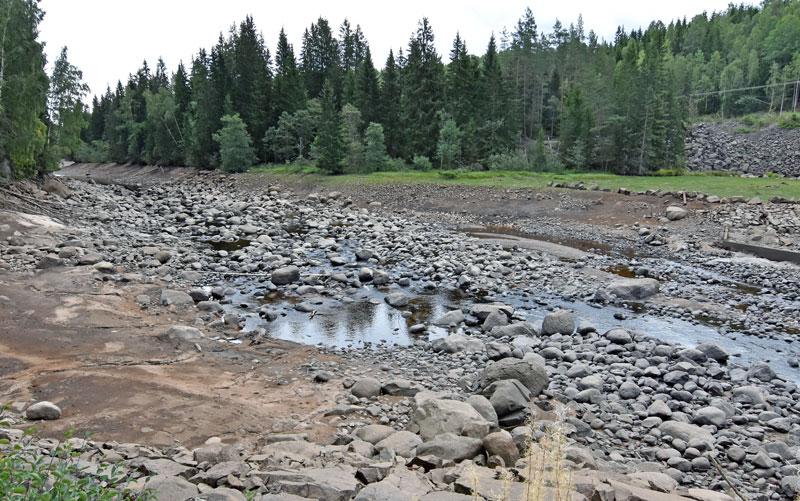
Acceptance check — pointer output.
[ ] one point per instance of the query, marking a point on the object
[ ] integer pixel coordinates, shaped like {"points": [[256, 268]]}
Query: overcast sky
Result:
{"points": [[109, 39]]}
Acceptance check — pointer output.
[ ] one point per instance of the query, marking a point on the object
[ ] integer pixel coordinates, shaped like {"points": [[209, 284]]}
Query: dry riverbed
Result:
{"points": [[400, 334]]}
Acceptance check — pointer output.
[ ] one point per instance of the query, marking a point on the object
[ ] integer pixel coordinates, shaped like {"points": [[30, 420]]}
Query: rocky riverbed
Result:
{"points": [[439, 349]]}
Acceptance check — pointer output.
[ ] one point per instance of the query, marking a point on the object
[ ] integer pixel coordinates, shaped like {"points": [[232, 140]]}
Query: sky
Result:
{"points": [[109, 39]]}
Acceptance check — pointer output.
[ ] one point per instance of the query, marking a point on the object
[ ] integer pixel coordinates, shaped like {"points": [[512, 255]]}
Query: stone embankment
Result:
{"points": [[714, 146]]}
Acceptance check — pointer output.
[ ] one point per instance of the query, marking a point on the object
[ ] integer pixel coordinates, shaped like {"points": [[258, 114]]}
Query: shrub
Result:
{"points": [[789, 121], [448, 174], [395, 164], [26, 475], [235, 146], [509, 161], [668, 172], [421, 163]]}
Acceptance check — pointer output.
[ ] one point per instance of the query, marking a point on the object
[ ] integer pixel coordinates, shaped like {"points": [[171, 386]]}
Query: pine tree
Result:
{"points": [[289, 93], [320, 59], [494, 132], [329, 143], [235, 146]]}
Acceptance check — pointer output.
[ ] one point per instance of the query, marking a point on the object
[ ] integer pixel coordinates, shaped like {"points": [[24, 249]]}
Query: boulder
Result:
{"points": [[514, 330], [396, 299], [400, 485], [332, 484], [374, 433], [366, 387], [451, 446], [453, 318], [403, 443], [286, 275], [44, 410], [529, 371], [558, 322], [686, 432], [507, 396], [184, 333], [618, 335], [56, 187], [401, 388], [484, 408], [482, 310], [710, 415], [166, 488], [455, 343], [178, 298], [495, 319], [675, 213], [634, 288], [501, 444], [435, 416], [714, 352]]}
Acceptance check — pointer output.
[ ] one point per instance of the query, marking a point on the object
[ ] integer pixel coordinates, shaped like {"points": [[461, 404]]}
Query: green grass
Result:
{"points": [[720, 184]]}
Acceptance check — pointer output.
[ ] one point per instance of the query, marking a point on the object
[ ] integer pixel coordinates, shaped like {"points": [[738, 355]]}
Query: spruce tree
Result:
{"points": [[367, 96], [288, 89], [389, 106], [375, 148], [329, 143], [66, 108]]}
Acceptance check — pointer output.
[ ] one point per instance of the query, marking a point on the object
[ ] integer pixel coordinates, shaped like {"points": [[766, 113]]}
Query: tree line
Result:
{"points": [[531, 100]]}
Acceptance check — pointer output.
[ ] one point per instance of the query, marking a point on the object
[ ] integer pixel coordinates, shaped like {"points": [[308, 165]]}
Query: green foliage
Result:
{"points": [[375, 151], [58, 476], [420, 162], [329, 145], [94, 152], [351, 123], [235, 145], [788, 121], [448, 174], [515, 161], [668, 172], [448, 149]]}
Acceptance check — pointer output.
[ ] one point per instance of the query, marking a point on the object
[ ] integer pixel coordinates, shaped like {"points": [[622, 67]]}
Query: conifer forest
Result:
{"points": [[531, 98]]}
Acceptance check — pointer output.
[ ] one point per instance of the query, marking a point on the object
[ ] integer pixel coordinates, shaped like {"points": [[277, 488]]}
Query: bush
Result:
{"points": [[668, 172], [789, 121], [235, 146], [509, 161], [395, 164], [57, 476], [421, 163], [448, 174], [95, 152]]}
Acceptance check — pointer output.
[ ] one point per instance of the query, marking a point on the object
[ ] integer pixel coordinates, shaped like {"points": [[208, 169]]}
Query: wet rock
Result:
{"points": [[396, 299], [44, 410], [451, 318], [714, 352], [286, 275]]}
